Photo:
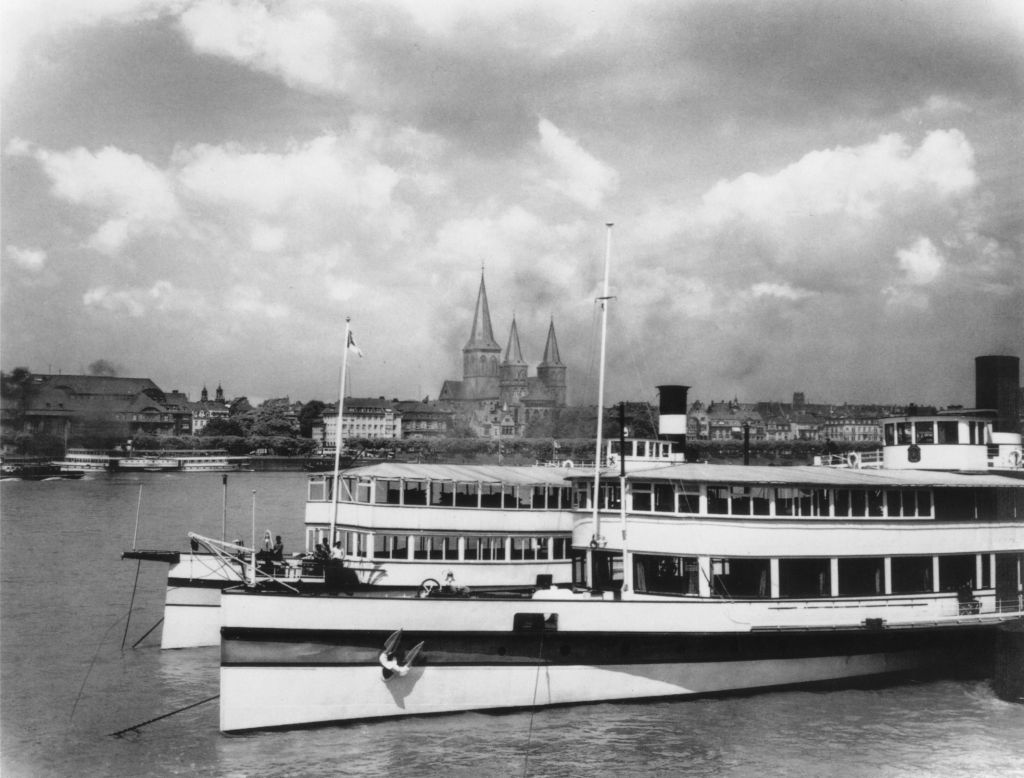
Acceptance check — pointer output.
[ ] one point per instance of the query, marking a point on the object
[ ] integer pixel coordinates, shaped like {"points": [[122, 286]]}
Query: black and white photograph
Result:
{"points": [[512, 388]]}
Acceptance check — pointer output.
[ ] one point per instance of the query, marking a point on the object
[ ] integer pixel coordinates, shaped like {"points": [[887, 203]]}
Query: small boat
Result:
{"points": [[35, 470]]}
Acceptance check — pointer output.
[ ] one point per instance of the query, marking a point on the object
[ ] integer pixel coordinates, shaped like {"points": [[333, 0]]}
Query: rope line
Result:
{"points": [[163, 716], [533, 706], [93, 662]]}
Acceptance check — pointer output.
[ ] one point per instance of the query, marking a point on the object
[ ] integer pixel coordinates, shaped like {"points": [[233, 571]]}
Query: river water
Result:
{"points": [[66, 684]]}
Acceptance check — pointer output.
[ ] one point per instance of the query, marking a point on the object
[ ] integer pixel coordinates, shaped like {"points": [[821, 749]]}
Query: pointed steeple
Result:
{"points": [[482, 335], [513, 354], [551, 356]]}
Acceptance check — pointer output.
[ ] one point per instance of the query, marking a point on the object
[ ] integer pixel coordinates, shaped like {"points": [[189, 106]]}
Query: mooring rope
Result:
{"points": [[131, 604], [158, 623], [533, 706], [164, 716], [87, 672]]}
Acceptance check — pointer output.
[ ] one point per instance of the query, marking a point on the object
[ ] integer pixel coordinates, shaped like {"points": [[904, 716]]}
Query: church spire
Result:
{"points": [[513, 354], [551, 356], [482, 335]]}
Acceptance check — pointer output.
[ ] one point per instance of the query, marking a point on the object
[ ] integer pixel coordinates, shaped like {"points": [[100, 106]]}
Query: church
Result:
{"points": [[497, 396]]}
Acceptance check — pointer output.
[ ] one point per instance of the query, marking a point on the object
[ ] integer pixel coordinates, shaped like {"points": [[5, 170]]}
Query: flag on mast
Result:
{"points": [[352, 345]]}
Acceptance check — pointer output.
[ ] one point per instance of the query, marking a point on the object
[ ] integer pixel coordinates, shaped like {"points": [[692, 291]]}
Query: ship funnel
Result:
{"points": [[672, 414]]}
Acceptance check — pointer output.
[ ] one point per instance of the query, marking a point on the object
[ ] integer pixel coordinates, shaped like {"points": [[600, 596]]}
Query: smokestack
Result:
{"points": [[997, 387], [672, 414]]}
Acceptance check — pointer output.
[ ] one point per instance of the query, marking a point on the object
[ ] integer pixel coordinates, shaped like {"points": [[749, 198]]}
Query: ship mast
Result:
{"points": [[597, 539], [337, 433]]}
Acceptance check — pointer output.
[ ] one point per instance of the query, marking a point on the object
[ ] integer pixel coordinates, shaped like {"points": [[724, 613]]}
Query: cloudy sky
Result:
{"points": [[823, 197]]}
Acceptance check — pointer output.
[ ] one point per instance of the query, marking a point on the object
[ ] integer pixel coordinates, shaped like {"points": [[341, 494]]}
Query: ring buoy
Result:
{"points": [[853, 459], [567, 463], [593, 543], [1014, 458]]}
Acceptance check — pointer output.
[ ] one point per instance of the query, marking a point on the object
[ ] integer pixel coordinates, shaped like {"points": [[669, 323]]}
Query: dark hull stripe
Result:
{"points": [[960, 644]]}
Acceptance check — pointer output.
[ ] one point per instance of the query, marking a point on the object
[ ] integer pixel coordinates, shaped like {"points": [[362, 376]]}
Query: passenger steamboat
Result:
{"points": [[687, 579]]}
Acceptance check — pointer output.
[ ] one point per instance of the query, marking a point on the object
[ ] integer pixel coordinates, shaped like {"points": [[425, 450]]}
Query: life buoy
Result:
{"points": [[594, 543], [567, 463], [853, 459], [1015, 458]]}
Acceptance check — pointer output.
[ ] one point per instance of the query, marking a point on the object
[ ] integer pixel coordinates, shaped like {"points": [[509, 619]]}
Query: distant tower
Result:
{"points": [[798, 400], [512, 383], [204, 396], [997, 387], [481, 353], [551, 371], [220, 394]]}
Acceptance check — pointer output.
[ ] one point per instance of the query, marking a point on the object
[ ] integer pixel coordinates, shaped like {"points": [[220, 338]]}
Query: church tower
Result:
{"points": [[205, 396], [551, 371], [220, 394], [512, 383], [480, 354]]}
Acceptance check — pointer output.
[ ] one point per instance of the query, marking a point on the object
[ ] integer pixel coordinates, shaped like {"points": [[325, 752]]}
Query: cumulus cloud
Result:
{"points": [[138, 302], [295, 40], [133, 193], [29, 259], [575, 173], [852, 182]]}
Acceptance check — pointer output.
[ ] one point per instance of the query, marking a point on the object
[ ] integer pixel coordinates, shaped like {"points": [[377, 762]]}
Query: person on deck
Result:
{"points": [[277, 552]]}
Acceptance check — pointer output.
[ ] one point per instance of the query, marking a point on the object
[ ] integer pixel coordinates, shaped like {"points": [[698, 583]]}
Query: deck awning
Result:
{"points": [[812, 476], [494, 474]]}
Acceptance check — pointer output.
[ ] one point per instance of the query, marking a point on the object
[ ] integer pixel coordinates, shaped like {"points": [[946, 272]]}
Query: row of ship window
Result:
{"points": [[673, 498], [482, 548], [796, 578]]}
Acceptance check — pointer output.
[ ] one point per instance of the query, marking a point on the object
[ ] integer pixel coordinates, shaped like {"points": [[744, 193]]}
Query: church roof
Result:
{"points": [[513, 354], [482, 335], [551, 356]]}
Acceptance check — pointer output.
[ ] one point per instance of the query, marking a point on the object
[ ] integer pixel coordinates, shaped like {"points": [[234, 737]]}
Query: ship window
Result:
{"points": [[986, 572], [911, 574], [949, 432], [388, 492], [442, 493], [580, 495], [490, 495], [529, 548], [415, 493], [876, 502], [689, 498], [741, 577], [805, 578], [786, 501], [539, 497], [924, 433], [390, 547], [466, 495], [488, 548], [760, 500], [718, 500], [641, 493], [665, 574], [579, 569], [363, 493], [610, 496], [861, 576], [889, 436], [317, 490], [955, 572], [562, 548], [903, 433], [740, 501], [664, 498]]}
